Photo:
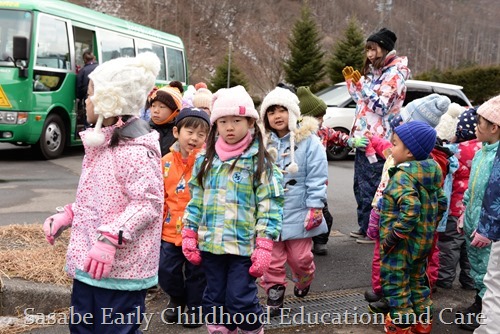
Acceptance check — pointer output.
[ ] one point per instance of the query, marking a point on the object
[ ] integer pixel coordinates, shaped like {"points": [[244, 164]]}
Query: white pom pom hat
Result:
{"points": [[121, 87]]}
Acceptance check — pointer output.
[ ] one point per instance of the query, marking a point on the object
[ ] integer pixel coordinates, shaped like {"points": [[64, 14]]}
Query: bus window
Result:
{"points": [[12, 23], [84, 40], [175, 61], [145, 46], [53, 44], [115, 46]]}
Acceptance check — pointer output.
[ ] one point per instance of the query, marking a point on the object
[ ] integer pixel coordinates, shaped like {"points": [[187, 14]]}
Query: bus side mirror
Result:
{"points": [[21, 53]]}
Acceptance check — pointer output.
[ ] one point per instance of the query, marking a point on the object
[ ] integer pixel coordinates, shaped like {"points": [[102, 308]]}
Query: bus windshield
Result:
{"points": [[12, 23]]}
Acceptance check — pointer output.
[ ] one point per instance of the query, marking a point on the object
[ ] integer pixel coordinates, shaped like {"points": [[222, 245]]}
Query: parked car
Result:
{"points": [[341, 107]]}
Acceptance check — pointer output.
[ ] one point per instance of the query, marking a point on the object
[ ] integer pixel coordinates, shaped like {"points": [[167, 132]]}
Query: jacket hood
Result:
{"points": [[401, 64], [425, 173]]}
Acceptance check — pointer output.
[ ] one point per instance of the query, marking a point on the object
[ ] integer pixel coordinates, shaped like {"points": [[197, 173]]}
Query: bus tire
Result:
{"points": [[52, 139]]}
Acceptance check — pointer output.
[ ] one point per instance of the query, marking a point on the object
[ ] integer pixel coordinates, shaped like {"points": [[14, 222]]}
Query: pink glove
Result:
{"points": [[261, 257], [100, 259], [313, 219], [56, 224], [460, 224], [190, 246], [373, 226], [479, 241]]}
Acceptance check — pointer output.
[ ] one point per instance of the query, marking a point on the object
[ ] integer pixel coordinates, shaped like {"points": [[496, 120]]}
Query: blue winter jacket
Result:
{"points": [[489, 218], [306, 188]]}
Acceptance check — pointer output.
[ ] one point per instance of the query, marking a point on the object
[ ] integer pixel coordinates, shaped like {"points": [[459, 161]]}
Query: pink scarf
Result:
{"points": [[227, 151]]}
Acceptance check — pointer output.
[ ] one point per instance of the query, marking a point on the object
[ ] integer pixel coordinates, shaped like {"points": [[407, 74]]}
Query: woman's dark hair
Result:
{"points": [[378, 63], [264, 159]]}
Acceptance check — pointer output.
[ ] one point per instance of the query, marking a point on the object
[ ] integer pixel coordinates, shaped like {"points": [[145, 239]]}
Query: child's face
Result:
{"points": [[487, 132], [278, 120], [189, 138], [160, 112], [232, 129], [89, 106], [400, 152]]}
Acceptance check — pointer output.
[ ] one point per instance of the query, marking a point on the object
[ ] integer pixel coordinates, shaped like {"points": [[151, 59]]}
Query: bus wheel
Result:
{"points": [[52, 139]]}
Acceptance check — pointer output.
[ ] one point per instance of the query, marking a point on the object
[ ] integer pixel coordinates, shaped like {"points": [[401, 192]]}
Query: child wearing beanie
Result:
{"points": [[165, 104], [411, 204], [311, 105], [451, 244], [298, 151], [428, 109], [379, 92], [234, 214], [115, 221], [179, 278], [478, 242]]}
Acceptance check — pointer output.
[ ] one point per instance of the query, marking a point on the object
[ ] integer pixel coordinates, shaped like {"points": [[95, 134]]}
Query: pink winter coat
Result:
{"points": [[120, 189]]}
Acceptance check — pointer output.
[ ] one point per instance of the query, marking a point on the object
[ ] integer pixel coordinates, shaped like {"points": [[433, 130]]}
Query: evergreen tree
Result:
{"points": [[219, 80], [305, 66], [348, 51]]}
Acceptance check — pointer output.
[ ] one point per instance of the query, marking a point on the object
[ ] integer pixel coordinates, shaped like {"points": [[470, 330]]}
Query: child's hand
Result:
{"points": [[358, 142], [100, 260], [313, 219], [373, 227], [390, 242], [261, 257], [190, 246], [479, 241], [460, 224], [56, 224]]}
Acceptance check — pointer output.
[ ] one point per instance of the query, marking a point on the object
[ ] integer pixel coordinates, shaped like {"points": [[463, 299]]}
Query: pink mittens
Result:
{"points": [[190, 246], [313, 219], [261, 257], [100, 260], [479, 241], [373, 226], [57, 223]]}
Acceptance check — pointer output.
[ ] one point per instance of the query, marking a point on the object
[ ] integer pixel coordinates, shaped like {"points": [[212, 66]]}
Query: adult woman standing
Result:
{"points": [[379, 92]]}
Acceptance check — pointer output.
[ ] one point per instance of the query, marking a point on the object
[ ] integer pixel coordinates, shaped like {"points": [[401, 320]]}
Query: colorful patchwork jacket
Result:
{"points": [[489, 219]]}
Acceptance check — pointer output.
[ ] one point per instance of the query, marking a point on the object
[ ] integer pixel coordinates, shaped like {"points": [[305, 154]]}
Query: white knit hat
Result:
{"points": [[233, 101], [121, 87], [285, 98], [202, 98], [447, 125]]}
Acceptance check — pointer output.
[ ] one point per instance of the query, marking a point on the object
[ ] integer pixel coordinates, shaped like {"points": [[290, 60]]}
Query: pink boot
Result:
{"points": [[220, 329]]}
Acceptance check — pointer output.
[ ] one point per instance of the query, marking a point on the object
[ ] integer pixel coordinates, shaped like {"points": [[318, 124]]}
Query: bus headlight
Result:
{"points": [[13, 117]]}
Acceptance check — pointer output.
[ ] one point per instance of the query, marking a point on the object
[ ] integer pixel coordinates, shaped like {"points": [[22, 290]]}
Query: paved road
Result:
{"points": [[30, 189]]}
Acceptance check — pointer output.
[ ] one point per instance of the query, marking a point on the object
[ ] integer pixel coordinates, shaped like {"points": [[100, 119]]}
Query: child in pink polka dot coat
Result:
{"points": [[115, 221]]}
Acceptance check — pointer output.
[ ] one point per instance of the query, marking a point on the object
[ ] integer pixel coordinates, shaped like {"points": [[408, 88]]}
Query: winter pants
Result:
{"points": [[323, 238], [433, 262], [113, 311], [231, 292], [432, 265], [478, 258], [452, 251], [179, 278], [366, 180], [297, 253], [404, 280], [491, 302]]}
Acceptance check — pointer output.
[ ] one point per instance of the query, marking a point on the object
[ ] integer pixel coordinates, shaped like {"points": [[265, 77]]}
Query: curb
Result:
{"points": [[18, 295]]}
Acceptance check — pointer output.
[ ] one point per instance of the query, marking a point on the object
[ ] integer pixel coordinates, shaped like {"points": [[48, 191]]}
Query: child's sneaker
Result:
{"points": [[380, 306], [391, 328], [301, 293], [275, 299], [371, 296]]}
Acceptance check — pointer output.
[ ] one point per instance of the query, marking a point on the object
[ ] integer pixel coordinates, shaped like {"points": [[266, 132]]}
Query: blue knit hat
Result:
{"points": [[466, 126], [428, 109], [418, 137], [192, 112]]}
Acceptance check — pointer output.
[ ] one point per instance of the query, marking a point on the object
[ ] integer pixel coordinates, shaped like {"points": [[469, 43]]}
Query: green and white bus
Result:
{"points": [[41, 47]]}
